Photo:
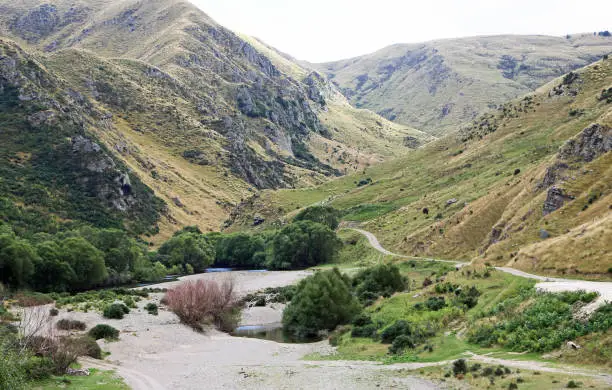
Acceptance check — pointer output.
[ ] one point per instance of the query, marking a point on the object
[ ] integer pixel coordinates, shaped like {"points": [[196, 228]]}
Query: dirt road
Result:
{"points": [[550, 284]]}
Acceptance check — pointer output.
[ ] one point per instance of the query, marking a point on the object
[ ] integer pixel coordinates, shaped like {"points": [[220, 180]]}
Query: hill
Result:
{"points": [[199, 114], [527, 186], [438, 85]]}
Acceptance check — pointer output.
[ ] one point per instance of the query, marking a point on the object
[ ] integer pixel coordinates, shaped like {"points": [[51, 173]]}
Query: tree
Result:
{"points": [[52, 274], [17, 258], [120, 251], [240, 250], [188, 248], [321, 302], [325, 215], [86, 261], [303, 244]]}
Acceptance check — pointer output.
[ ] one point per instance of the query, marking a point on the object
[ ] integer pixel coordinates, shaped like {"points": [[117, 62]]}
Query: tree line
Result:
{"points": [[89, 257]]}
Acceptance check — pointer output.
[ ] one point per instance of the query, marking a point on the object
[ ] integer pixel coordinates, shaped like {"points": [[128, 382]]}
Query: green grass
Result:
{"points": [[525, 379], [97, 380]]}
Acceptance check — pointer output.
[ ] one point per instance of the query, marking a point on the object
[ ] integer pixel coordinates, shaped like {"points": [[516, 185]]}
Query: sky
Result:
{"points": [[327, 30]]}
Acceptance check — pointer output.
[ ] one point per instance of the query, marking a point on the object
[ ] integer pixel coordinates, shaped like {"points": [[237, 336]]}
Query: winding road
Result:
{"points": [[549, 284]]}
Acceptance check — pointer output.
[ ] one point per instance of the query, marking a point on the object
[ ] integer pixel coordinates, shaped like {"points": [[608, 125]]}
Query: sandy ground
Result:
{"points": [[157, 352]]}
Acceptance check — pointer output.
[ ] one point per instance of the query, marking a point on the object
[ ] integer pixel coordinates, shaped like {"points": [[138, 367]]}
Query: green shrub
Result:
{"points": [[380, 280], [322, 302], [368, 331], [400, 343], [435, 303], [66, 324], [129, 302], [398, 328], [467, 298], [103, 331], [151, 308], [53, 312], [90, 347], [38, 368], [116, 311], [12, 373], [572, 385], [460, 367], [512, 386]]}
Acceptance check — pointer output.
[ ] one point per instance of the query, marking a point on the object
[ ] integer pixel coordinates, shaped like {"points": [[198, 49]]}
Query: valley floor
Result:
{"points": [[157, 352]]}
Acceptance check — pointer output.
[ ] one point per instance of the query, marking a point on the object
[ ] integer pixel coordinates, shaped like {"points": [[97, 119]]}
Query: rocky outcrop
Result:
{"points": [[555, 199], [591, 143]]}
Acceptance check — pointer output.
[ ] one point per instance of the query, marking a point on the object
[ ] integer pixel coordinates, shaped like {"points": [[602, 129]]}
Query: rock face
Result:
{"points": [[555, 199], [591, 143]]}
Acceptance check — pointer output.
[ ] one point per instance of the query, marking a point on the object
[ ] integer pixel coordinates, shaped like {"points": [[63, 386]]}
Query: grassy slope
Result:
{"points": [[438, 85], [480, 174]]}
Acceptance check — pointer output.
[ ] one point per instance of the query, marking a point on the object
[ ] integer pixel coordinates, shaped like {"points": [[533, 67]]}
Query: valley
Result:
{"points": [[183, 206]]}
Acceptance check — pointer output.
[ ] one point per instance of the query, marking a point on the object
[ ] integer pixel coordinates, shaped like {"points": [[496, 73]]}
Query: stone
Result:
{"points": [[555, 199], [451, 201], [573, 345], [544, 234], [257, 220]]}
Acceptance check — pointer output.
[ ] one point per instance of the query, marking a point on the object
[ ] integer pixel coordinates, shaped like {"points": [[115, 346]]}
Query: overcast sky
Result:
{"points": [[325, 30]]}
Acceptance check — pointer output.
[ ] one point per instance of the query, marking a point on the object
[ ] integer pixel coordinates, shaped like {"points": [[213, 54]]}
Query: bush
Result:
{"points": [[66, 324], [368, 331], [53, 312], [572, 385], [469, 298], [381, 280], [37, 368], [460, 367], [322, 302], [398, 328], [435, 303], [129, 302], [90, 347], [400, 343], [103, 331], [201, 301], [12, 374], [151, 308], [115, 311]]}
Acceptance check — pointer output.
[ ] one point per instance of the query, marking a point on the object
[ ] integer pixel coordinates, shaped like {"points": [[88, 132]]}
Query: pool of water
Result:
{"points": [[271, 332]]}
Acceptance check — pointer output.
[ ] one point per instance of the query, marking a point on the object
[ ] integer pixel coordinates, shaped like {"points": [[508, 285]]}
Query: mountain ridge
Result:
{"points": [[439, 85]]}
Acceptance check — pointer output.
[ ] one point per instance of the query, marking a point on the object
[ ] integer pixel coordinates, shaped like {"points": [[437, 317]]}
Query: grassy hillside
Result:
{"points": [[481, 193], [438, 85], [202, 116]]}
